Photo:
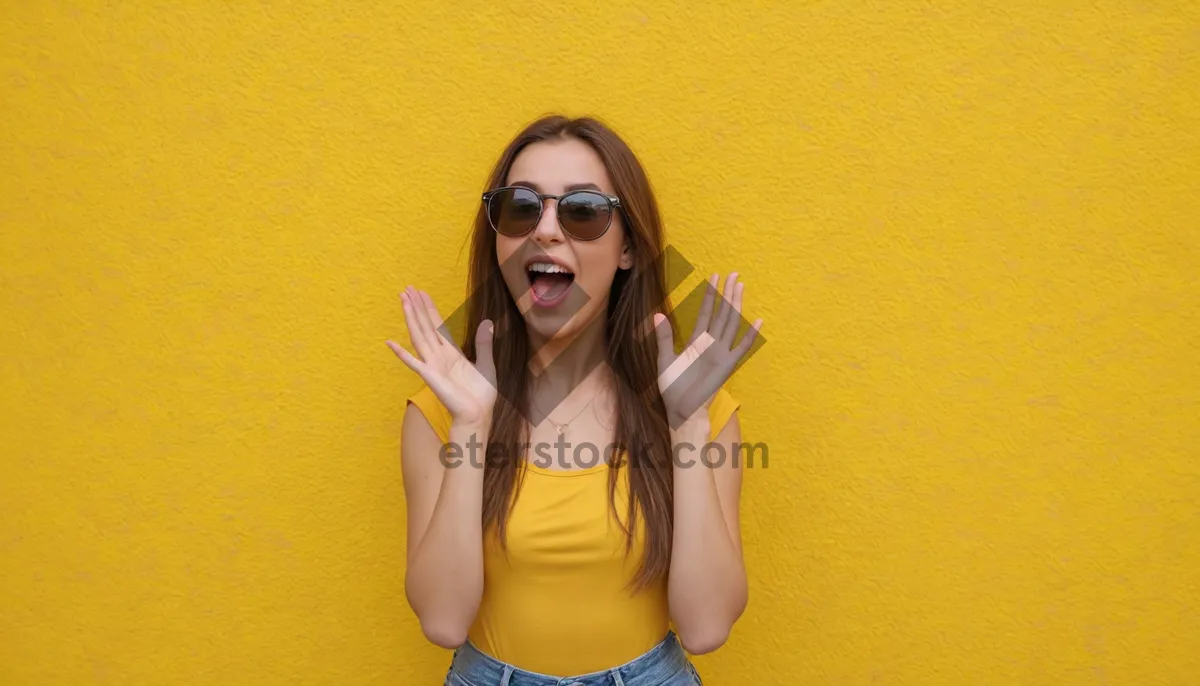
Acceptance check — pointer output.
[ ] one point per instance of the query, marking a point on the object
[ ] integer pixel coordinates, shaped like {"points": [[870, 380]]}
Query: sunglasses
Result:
{"points": [[584, 215]]}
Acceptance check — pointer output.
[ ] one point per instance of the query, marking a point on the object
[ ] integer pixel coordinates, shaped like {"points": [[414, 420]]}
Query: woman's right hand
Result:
{"points": [[467, 390]]}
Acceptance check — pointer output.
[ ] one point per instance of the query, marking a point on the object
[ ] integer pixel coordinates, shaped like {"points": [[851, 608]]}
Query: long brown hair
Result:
{"points": [[631, 349]]}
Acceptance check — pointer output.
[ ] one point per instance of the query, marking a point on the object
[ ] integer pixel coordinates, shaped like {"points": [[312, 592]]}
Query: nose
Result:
{"points": [[548, 231]]}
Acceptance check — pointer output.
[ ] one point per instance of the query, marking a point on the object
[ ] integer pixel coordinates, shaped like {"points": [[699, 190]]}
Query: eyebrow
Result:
{"points": [[572, 187]]}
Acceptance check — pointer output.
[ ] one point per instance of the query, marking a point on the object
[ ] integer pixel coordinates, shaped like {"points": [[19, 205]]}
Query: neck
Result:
{"points": [[562, 365]]}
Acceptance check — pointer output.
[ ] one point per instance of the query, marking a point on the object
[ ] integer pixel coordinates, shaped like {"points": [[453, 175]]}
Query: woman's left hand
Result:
{"points": [[689, 380]]}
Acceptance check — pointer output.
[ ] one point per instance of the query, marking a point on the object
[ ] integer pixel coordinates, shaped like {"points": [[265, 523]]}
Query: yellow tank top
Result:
{"points": [[557, 602]]}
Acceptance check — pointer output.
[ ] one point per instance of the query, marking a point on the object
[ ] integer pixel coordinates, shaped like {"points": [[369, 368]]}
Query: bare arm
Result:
{"points": [[707, 590], [444, 578], [443, 485]]}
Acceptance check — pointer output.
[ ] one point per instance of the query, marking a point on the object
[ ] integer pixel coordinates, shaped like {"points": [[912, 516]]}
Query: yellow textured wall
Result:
{"points": [[973, 232]]}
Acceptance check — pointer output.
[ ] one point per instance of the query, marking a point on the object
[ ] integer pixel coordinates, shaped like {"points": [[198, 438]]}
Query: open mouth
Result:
{"points": [[549, 282]]}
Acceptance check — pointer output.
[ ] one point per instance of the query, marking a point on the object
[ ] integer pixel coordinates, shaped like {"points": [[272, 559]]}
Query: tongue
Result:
{"points": [[550, 286]]}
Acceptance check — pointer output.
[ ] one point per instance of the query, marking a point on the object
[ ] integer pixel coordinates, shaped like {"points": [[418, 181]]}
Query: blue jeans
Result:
{"points": [[666, 664]]}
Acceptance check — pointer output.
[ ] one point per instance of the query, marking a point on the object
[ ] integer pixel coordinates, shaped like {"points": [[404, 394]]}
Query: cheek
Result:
{"points": [[507, 254], [606, 252], [600, 266], [505, 247]]}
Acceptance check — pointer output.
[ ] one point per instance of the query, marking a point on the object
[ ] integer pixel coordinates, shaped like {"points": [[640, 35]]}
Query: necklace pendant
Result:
{"points": [[559, 429]]}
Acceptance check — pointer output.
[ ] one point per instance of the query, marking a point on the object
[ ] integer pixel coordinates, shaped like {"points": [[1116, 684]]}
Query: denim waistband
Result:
{"points": [[665, 664]]}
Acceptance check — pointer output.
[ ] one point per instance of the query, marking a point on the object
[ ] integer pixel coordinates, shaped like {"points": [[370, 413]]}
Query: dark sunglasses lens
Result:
{"points": [[514, 211], [584, 215]]}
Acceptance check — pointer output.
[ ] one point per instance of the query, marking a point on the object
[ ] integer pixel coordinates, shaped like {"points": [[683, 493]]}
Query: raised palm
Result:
{"points": [[689, 380], [467, 390]]}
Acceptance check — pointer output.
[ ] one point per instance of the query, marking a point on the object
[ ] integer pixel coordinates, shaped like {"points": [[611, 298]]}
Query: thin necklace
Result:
{"points": [[562, 428]]}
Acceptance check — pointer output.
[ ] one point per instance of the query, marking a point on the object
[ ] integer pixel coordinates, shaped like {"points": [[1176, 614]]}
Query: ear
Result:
{"points": [[626, 256]]}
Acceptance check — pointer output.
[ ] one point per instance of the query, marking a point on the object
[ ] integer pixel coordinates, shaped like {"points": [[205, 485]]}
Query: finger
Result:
{"points": [[747, 341], [424, 305], [407, 358], [431, 378], [436, 323], [706, 308], [702, 345], [416, 333], [718, 324], [485, 363], [666, 341], [687, 376], [735, 317], [699, 357]]}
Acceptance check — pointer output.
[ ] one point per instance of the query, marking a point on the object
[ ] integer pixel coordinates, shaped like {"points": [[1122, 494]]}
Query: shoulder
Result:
{"points": [[720, 411], [425, 403]]}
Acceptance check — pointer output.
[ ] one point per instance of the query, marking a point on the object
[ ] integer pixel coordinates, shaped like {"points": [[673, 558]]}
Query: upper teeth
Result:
{"points": [[545, 268]]}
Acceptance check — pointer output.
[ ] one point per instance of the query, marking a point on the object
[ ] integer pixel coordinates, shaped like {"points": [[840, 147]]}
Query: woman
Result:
{"points": [[591, 542]]}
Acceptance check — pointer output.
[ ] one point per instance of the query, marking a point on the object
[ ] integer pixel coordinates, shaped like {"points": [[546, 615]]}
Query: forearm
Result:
{"points": [[707, 587], [444, 582]]}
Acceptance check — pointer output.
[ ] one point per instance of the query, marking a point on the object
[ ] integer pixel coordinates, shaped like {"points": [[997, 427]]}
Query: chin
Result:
{"points": [[557, 324]]}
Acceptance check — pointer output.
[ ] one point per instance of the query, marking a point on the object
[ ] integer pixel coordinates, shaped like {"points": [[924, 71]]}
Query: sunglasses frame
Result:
{"points": [[613, 201]]}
